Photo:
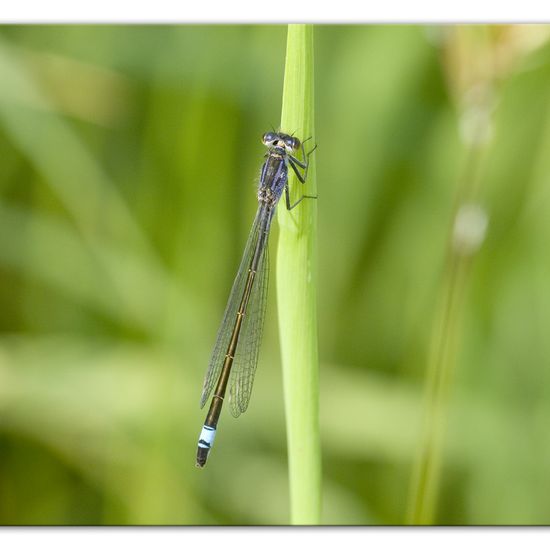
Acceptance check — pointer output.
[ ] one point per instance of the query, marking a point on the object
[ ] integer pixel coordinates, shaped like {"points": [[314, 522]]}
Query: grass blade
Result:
{"points": [[296, 293]]}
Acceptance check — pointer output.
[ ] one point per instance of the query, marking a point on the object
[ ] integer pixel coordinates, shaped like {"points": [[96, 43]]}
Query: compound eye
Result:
{"points": [[292, 142], [268, 137]]}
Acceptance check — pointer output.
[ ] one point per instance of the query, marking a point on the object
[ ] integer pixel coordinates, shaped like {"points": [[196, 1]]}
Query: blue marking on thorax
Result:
{"points": [[274, 175]]}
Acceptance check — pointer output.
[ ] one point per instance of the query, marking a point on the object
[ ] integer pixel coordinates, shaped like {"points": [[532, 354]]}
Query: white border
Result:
{"points": [[280, 11], [379, 538], [275, 11]]}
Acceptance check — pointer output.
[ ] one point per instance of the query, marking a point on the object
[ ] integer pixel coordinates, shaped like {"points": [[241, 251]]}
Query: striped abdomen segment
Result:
{"points": [[208, 432]]}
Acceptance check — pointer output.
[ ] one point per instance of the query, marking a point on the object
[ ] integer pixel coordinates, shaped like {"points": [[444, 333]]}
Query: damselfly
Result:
{"points": [[235, 355]]}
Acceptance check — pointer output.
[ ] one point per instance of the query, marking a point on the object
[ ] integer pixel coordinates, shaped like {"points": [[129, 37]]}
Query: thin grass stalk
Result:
{"points": [[427, 469], [297, 289]]}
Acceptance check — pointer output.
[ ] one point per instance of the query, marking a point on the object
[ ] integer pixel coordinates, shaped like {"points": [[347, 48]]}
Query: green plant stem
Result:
{"points": [[296, 292], [427, 469], [446, 332]]}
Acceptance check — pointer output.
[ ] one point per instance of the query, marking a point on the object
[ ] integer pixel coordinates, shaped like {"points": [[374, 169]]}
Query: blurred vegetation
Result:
{"points": [[129, 159]]}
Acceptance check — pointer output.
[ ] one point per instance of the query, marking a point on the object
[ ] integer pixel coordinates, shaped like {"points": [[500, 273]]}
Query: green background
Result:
{"points": [[129, 157]]}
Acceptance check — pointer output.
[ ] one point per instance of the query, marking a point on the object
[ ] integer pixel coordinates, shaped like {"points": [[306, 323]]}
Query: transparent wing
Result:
{"points": [[246, 354], [228, 321]]}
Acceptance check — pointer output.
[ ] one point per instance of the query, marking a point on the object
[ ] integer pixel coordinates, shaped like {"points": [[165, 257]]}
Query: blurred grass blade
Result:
{"points": [[103, 219], [49, 249], [296, 292], [69, 168], [427, 469], [465, 238]]}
